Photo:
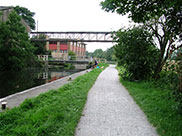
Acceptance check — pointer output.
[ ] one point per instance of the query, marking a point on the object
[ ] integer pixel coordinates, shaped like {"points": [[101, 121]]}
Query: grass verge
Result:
{"points": [[55, 113], [158, 106]]}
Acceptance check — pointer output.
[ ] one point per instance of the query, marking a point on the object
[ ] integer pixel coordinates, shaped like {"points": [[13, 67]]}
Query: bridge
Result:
{"points": [[75, 36]]}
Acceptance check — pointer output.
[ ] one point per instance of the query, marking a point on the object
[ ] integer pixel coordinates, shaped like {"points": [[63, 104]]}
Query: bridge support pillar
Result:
{"points": [[47, 43], [58, 50]]}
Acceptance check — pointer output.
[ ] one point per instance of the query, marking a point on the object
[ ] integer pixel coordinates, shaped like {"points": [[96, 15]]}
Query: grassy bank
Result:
{"points": [[55, 113], [158, 105]]}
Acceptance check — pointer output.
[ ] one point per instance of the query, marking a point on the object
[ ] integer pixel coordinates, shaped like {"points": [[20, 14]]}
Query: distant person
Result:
{"points": [[95, 63], [91, 59]]}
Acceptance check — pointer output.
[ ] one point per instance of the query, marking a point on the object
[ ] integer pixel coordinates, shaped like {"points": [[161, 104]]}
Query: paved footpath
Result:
{"points": [[111, 111]]}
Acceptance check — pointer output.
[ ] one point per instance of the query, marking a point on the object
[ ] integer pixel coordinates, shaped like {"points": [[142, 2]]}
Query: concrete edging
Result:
{"points": [[17, 98]]}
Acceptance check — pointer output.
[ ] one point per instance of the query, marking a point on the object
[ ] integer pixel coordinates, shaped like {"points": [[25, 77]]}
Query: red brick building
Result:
{"points": [[61, 49]]}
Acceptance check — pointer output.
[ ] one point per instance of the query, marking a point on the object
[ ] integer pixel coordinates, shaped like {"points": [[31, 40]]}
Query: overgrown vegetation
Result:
{"points": [[173, 77], [55, 113]]}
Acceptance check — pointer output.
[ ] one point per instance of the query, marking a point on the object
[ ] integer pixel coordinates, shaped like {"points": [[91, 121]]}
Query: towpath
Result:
{"points": [[111, 111], [16, 99]]}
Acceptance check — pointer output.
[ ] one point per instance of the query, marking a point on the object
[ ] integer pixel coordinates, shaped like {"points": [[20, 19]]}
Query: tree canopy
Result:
{"points": [[99, 53], [40, 48], [27, 15], [162, 18], [16, 52], [136, 53], [144, 10]]}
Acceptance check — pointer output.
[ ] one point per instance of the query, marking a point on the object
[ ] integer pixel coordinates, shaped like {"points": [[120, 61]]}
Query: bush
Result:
{"points": [[136, 53], [174, 77], [72, 55]]}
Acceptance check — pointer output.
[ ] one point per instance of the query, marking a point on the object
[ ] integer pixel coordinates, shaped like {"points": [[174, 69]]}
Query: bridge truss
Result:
{"points": [[74, 36]]}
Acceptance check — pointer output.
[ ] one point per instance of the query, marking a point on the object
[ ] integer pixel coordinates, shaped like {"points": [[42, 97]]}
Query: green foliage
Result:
{"points": [[69, 66], [136, 53], [55, 113], [16, 52], [72, 55], [0, 16], [173, 76], [40, 48], [99, 53], [162, 18], [27, 16], [143, 10], [109, 54], [158, 106]]}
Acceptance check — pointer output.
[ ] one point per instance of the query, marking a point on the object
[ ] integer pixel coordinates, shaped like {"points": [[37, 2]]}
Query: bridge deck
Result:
{"points": [[75, 36], [71, 61]]}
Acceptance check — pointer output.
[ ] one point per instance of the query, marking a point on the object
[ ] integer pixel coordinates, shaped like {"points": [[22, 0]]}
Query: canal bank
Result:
{"points": [[17, 98], [55, 112]]}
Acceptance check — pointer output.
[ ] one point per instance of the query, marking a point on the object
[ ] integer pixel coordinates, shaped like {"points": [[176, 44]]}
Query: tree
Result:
{"points": [[157, 16], [98, 53], [72, 55], [109, 54], [143, 10], [27, 16], [16, 52], [136, 53], [40, 48]]}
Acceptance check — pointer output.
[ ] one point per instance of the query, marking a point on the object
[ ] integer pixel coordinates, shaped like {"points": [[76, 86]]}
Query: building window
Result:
{"points": [[52, 42]]}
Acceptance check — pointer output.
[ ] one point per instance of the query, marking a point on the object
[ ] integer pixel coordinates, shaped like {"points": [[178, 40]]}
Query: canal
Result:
{"points": [[17, 81]]}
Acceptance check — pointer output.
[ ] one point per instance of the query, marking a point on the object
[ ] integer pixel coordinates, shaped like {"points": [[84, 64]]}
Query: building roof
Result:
{"points": [[5, 7], [5, 12]]}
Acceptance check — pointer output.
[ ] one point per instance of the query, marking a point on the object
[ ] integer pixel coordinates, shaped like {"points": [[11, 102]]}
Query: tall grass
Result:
{"points": [[55, 113]]}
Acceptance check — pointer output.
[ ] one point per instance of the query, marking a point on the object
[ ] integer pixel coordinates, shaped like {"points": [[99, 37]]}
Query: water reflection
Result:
{"points": [[16, 81]]}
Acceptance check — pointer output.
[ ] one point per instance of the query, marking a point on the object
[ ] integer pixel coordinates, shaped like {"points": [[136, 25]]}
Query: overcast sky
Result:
{"points": [[72, 15]]}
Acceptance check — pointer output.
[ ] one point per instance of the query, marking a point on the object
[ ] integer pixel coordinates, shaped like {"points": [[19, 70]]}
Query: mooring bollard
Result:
{"points": [[69, 77], [3, 105]]}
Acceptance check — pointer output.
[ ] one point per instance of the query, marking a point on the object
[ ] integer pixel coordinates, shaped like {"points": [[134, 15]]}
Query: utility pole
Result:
{"points": [[37, 25]]}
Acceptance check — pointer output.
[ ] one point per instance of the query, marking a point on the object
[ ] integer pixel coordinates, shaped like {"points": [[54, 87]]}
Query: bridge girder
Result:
{"points": [[75, 36]]}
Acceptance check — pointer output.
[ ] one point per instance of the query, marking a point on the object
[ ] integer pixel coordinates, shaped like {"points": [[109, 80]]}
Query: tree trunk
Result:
{"points": [[160, 63], [158, 68]]}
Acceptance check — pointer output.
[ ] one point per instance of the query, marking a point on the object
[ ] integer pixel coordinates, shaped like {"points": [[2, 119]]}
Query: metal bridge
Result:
{"points": [[74, 36]]}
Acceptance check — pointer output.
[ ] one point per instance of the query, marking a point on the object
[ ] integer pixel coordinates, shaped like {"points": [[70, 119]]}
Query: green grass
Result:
{"points": [[158, 105], [55, 113]]}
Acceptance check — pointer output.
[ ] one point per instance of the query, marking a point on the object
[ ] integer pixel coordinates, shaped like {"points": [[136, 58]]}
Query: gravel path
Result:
{"points": [[110, 110]]}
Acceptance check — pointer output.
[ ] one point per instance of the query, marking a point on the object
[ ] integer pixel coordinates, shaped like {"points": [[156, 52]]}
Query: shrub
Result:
{"points": [[136, 53], [174, 68]]}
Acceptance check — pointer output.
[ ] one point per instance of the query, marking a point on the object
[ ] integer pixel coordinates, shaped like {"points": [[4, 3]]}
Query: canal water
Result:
{"points": [[13, 82]]}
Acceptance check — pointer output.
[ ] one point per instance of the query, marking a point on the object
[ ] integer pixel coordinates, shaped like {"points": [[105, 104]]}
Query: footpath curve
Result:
{"points": [[111, 111]]}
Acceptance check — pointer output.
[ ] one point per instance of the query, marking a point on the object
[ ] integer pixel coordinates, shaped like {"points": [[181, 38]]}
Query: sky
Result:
{"points": [[72, 15]]}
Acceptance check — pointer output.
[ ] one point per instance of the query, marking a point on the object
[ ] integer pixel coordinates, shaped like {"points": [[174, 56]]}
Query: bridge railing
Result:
{"points": [[78, 58]]}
